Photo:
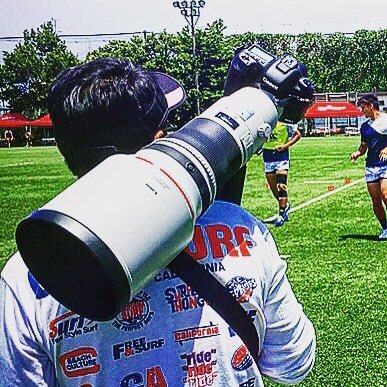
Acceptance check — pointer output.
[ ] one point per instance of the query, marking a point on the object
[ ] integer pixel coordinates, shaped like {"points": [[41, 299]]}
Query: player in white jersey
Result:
{"points": [[167, 335]]}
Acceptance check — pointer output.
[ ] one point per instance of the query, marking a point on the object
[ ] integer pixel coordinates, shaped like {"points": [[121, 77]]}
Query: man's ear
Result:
{"points": [[159, 134]]}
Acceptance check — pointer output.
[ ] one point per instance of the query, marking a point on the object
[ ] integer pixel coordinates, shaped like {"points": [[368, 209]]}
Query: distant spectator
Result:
{"points": [[8, 135], [28, 137]]}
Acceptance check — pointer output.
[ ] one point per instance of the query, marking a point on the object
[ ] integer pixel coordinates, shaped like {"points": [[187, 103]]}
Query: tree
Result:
{"points": [[30, 68], [214, 53], [340, 63], [369, 55]]}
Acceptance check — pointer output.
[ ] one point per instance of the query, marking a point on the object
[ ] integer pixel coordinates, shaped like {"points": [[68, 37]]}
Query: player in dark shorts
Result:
{"points": [[277, 164]]}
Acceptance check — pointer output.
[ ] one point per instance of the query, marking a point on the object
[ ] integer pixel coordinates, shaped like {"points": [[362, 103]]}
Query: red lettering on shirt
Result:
{"points": [[220, 235], [155, 377]]}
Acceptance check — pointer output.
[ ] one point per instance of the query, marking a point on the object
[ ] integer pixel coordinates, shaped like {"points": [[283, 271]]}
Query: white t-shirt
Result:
{"points": [[380, 124], [167, 335]]}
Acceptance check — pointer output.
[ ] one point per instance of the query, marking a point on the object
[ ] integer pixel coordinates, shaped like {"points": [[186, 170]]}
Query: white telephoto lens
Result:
{"points": [[143, 215]]}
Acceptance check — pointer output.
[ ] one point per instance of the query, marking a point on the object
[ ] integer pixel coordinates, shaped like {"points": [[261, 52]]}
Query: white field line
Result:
{"points": [[16, 164], [318, 198]]}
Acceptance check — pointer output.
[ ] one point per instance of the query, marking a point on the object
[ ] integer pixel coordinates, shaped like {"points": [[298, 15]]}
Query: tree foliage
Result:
{"points": [[336, 62], [30, 68], [345, 63]]}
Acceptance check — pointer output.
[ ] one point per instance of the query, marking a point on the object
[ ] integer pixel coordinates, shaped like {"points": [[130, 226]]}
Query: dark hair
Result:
{"points": [[101, 107], [369, 99]]}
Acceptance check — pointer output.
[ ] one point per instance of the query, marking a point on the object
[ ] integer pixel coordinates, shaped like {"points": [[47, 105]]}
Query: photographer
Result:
{"points": [[167, 334]]}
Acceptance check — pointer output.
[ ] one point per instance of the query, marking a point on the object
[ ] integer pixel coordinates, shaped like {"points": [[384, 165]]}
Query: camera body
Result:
{"points": [[283, 78]]}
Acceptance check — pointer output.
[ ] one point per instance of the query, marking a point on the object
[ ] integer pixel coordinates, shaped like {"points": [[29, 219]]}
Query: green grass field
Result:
{"points": [[336, 265]]}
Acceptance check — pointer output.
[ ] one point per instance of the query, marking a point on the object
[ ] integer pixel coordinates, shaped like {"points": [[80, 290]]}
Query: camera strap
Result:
{"points": [[218, 297]]}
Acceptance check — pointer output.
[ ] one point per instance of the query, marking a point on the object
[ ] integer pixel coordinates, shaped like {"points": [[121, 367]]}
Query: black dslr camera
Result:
{"points": [[282, 77]]}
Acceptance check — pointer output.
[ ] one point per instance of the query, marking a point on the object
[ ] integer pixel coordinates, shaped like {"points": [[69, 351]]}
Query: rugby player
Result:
{"points": [[374, 141]]}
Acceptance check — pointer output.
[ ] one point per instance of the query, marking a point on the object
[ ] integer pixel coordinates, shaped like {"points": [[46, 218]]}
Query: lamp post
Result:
{"points": [[191, 12]]}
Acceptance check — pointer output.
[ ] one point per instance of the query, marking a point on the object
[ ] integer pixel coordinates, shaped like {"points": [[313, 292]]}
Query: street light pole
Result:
{"points": [[196, 75], [191, 12]]}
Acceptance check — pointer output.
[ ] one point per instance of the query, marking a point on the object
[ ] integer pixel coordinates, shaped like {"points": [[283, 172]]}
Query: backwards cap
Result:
{"points": [[169, 95]]}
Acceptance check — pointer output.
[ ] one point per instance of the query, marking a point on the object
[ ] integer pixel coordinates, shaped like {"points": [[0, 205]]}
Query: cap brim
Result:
{"points": [[173, 91]]}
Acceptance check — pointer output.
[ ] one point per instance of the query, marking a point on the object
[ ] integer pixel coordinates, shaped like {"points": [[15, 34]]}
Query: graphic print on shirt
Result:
{"points": [[80, 362], [136, 314], [201, 368], [182, 298], [241, 360], [241, 288], [194, 333], [167, 275], [70, 325], [220, 240], [136, 346], [154, 377]]}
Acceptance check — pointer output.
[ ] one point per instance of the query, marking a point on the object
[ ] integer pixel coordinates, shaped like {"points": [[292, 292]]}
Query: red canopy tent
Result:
{"points": [[14, 120], [323, 109], [42, 121]]}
